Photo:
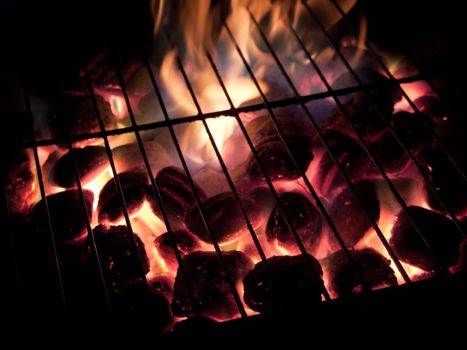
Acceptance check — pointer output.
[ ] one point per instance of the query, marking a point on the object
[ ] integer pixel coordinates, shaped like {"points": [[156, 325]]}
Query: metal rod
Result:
{"points": [[182, 120]]}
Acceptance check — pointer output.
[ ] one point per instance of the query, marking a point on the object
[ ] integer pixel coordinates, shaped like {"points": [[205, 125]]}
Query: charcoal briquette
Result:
{"points": [[412, 132], [283, 283], [272, 152], [224, 217], [439, 232], [276, 160], [211, 291], [120, 264], [186, 243], [66, 214], [134, 187], [77, 115], [20, 183], [349, 154], [305, 218], [90, 161], [373, 267], [449, 185], [350, 218], [176, 192]]}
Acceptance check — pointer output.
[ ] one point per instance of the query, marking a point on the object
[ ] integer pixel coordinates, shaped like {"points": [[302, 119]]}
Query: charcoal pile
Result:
{"points": [[211, 291], [283, 283]]}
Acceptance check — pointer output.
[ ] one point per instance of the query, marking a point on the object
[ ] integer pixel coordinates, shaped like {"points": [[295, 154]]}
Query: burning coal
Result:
{"points": [[250, 210]]}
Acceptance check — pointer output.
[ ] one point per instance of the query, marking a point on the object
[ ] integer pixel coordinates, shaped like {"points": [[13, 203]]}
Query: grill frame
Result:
{"points": [[234, 112]]}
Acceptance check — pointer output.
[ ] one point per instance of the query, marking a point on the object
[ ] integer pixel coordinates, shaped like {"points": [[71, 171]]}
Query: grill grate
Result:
{"points": [[270, 105]]}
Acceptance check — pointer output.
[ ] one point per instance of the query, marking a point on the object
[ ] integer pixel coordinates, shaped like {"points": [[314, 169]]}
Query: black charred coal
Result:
{"points": [[162, 284], [137, 300], [271, 150], [440, 233], [276, 160], [66, 214], [387, 151], [305, 218], [134, 188], [450, 186], [411, 131], [370, 76], [78, 116], [350, 217], [186, 243], [374, 268], [431, 106], [19, 185], [194, 325], [207, 277], [120, 264], [223, 217], [90, 160], [349, 154], [283, 283], [176, 192], [364, 113]]}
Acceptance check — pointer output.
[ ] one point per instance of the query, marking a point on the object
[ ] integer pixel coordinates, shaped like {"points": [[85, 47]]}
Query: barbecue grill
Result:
{"points": [[403, 176]]}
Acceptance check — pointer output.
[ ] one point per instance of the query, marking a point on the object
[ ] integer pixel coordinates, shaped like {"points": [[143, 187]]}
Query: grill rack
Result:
{"points": [[235, 112]]}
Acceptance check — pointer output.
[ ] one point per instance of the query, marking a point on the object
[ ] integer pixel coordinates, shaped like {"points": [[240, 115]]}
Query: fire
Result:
{"points": [[201, 31]]}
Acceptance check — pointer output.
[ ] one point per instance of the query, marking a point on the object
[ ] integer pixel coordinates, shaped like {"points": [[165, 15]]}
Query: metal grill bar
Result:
{"points": [[228, 112], [408, 99], [389, 127]]}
